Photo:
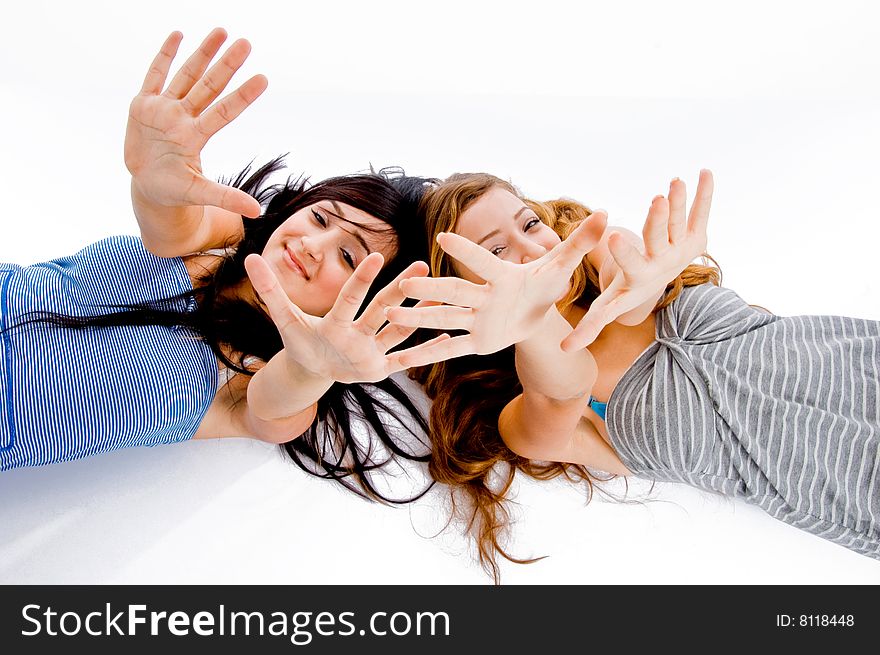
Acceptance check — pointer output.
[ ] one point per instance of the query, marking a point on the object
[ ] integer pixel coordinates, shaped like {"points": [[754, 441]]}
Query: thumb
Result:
{"points": [[281, 310], [567, 254], [208, 193]]}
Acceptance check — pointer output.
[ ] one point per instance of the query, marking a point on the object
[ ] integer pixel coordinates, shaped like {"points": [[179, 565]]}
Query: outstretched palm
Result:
{"points": [[507, 308], [671, 243], [167, 129], [338, 346]]}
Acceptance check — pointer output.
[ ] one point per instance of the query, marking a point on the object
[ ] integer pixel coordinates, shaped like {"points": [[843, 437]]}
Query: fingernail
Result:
{"points": [[675, 179], [656, 198]]}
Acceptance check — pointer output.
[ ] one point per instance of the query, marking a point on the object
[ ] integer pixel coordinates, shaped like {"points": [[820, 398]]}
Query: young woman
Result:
{"points": [[680, 380], [121, 344]]}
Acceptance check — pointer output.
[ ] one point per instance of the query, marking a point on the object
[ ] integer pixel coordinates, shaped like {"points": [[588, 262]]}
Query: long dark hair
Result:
{"points": [[236, 330]]}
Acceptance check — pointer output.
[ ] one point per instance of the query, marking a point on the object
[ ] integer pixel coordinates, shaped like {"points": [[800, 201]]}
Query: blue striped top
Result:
{"points": [[69, 393]]}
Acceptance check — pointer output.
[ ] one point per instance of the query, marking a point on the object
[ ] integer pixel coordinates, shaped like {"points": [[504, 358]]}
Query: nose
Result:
{"points": [[531, 251], [311, 247]]}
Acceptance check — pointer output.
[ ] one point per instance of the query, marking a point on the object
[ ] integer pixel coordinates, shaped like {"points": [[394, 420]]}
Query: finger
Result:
{"points": [[355, 289], [393, 335], [282, 312], [231, 107], [631, 262], [656, 232], [699, 216], [569, 253], [436, 350], [196, 65], [391, 296], [603, 310], [210, 85], [393, 363], [677, 223], [582, 336], [445, 317], [205, 192], [451, 290], [156, 76], [476, 258]]}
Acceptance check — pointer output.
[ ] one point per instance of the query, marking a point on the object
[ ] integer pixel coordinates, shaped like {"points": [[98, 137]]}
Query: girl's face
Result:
{"points": [[315, 251], [505, 226]]}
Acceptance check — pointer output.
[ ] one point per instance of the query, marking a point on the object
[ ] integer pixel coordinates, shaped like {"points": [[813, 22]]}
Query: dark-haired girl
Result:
{"points": [[125, 342]]}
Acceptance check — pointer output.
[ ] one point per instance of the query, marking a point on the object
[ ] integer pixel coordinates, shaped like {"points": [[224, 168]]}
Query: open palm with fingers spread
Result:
{"points": [[671, 243], [167, 129], [339, 346], [506, 309]]}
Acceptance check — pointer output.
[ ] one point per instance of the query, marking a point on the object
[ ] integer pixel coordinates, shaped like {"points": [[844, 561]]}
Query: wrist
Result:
{"points": [[545, 330], [303, 374], [140, 194], [284, 388], [166, 231], [556, 376]]}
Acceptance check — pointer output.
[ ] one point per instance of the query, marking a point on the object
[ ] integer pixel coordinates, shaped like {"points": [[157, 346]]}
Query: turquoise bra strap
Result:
{"points": [[598, 407]]}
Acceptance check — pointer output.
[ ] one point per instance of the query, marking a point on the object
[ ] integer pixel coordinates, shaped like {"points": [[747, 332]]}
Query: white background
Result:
{"points": [[601, 101]]}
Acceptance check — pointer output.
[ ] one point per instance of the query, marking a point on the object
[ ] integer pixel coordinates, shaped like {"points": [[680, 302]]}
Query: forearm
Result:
{"points": [[545, 370], [283, 389], [280, 430]]}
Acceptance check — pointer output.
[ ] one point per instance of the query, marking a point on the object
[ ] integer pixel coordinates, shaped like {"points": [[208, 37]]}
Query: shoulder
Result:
{"points": [[708, 312], [201, 265], [116, 270], [123, 251]]}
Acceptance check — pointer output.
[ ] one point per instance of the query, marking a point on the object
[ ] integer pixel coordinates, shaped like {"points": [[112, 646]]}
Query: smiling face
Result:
{"points": [[504, 225], [316, 250]]}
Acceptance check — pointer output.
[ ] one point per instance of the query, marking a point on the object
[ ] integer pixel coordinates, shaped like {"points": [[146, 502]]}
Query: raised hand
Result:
{"points": [[167, 129], [671, 243], [338, 346], [507, 309]]}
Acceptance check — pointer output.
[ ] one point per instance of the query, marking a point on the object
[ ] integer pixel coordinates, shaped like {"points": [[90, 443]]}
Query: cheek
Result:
{"points": [[330, 282], [271, 243], [318, 296], [295, 226]]}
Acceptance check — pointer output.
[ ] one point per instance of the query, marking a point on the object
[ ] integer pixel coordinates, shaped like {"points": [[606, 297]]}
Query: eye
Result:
{"points": [[532, 223], [347, 257], [497, 250], [319, 218]]}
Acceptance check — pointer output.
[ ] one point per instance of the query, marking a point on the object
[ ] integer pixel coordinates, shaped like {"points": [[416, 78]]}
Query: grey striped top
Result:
{"points": [[68, 393], [782, 412]]}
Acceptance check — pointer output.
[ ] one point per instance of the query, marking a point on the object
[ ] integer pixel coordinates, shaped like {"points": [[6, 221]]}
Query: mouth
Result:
{"points": [[293, 263]]}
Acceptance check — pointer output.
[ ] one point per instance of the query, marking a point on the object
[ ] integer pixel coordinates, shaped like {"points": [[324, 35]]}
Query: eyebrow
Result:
{"points": [[356, 233], [494, 232]]}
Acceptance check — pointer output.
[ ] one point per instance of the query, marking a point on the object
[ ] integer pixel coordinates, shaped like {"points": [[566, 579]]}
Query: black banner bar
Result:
{"points": [[391, 619]]}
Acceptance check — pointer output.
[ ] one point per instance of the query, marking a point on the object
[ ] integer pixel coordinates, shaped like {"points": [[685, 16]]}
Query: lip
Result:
{"points": [[293, 263]]}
